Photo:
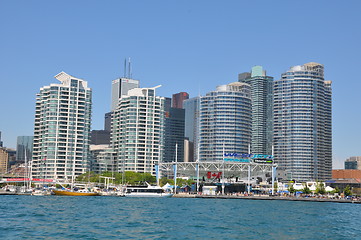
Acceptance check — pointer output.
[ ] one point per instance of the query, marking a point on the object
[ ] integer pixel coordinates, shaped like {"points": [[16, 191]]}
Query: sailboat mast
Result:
{"points": [[25, 170]]}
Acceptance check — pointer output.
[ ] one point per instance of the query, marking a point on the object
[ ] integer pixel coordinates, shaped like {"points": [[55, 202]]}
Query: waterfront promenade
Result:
{"points": [[265, 197]]}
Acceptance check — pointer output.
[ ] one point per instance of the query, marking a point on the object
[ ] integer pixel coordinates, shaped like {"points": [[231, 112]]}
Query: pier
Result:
{"points": [[264, 197]]}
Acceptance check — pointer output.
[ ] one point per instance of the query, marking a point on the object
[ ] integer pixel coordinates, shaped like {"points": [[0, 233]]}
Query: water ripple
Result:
{"points": [[52, 217]]}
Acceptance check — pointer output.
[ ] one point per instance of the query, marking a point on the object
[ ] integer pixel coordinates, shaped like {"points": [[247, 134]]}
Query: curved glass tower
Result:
{"points": [[62, 129], [225, 121], [302, 123]]}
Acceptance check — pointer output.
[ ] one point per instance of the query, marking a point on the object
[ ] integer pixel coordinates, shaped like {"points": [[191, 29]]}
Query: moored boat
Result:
{"points": [[74, 193], [146, 191]]}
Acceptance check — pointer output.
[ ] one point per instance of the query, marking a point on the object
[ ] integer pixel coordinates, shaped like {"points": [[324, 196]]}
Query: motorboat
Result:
{"points": [[146, 191], [40, 192]]}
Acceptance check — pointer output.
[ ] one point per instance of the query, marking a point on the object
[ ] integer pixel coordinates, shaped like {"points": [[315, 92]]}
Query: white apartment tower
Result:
{"points": [[225, 121], [303, 123], [62, 129], [137, 130]]}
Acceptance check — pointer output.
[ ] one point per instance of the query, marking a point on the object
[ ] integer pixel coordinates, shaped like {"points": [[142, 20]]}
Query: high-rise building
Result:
{"points": [[103, 159], [178, 99], [225, 121], [24, 149], [100, 137], [1, 143], [174, 135], [108, 121], [262, 109], [120, 87], [62, 129], [191, 130], [4, 160], [353, 163], [137, 130], [302, 123]]}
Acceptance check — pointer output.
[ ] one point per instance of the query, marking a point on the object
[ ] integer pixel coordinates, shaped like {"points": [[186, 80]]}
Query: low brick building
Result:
{"points": [[346, 174]]}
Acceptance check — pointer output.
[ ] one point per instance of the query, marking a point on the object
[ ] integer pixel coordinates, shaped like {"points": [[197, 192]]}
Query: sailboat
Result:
{"points": [[26, 189], [72, 192]]}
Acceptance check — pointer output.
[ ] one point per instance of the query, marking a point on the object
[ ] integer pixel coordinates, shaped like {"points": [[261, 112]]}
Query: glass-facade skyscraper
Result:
{"points": [[24, 149], [225, 121], [174, 135], [191, 130], [302, 123], [262, 109], [62, 129]]}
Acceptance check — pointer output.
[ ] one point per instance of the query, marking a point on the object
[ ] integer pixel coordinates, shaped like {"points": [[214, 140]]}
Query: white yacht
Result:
{"points": [[146, 191]]}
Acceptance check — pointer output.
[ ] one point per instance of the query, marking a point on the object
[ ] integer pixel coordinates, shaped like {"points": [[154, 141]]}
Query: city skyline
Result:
{"points": [[184, 47]]}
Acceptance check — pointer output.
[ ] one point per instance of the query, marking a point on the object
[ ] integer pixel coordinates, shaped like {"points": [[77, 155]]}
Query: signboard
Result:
{"points": [[236, 160], [268, 161], [27, 179], [246, 158], [246, 155], [16, 179]]}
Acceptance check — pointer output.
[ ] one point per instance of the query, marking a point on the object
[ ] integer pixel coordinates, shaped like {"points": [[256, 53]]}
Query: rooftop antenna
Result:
{"points": [[129, 69], [125, 67]]}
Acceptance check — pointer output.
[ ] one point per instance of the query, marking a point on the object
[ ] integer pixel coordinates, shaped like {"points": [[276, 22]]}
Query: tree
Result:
{"points": [[306, 190], [275, 186], [129, 177], [291, 188], [163, 181], [320, 188], [347, 191], [335, 190]]}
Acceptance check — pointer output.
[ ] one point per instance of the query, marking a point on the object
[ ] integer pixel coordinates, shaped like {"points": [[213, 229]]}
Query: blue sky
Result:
{"points": [[190, 46]]}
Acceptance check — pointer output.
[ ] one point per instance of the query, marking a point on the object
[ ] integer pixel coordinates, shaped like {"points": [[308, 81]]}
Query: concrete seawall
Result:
{"points": [[305, 199]]}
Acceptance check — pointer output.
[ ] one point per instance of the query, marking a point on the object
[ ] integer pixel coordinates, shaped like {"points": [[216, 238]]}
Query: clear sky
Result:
{"points": [[190, 46]]}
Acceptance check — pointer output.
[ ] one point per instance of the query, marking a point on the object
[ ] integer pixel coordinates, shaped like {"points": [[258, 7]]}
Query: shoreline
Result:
{"points": [[272, 198]]}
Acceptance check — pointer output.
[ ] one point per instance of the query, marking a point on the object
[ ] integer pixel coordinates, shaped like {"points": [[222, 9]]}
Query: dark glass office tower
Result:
{"points": [[174, 135]]}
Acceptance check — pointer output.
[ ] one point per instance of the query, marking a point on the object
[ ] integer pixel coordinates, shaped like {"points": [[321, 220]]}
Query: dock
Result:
{"points": [[264, 197]]}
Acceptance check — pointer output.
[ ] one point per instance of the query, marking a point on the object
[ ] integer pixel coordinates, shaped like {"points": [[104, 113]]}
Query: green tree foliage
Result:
{"points": [[347, 191], [291, 188], [320, 188], [130, 178], [163, 181], [182, 182], [306, 190], [275, 186]]}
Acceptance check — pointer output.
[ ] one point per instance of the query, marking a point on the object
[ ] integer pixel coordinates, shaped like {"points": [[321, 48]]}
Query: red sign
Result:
{"points": [[28, 179], [16, 179]]}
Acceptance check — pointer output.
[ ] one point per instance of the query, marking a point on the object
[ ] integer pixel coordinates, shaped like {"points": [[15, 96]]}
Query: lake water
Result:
{"points": [[60, 217]]}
